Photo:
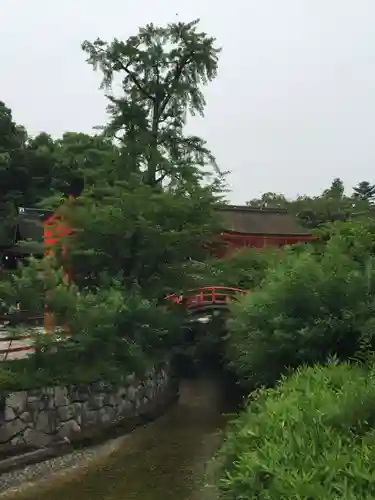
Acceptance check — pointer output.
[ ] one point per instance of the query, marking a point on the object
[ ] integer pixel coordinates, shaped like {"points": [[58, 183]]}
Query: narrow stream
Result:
{"points": [[164, 460]]}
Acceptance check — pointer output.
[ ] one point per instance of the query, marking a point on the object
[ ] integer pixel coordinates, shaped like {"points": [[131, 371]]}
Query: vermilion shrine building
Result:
{"points": [[247, 227], [244, 227]]}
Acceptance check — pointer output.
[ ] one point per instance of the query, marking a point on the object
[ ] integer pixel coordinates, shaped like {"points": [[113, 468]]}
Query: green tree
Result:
{"points": [[143, 237], [313, 211], [244, 269], [13, 175], [336, 190], [33, 169], [14, 178], [364, 191], [77, 160], [144, 213], [311, 305], [113, 331], [332, 205], [269, 200], [40, 164], [161, 71], [154, 213], [26, 164], [84, 155]]}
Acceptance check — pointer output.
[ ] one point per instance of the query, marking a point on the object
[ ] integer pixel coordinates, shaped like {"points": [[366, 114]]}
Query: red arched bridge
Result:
{"points": [[207, 298]]}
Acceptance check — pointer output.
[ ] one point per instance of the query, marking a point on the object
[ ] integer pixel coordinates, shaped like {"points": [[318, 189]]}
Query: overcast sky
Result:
{"points": [[293, 105]]}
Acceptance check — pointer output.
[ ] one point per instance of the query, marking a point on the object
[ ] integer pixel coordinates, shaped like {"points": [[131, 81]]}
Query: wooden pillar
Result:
{"points": [[52, 236], [49, 318]]}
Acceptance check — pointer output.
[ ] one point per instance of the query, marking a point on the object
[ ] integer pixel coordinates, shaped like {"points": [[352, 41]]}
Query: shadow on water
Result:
{"points": [[163, 460]]}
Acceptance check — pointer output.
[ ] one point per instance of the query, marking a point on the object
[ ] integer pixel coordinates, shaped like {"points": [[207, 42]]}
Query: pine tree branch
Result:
{"points": [[177, 74], [135, 80], [131, 75]]}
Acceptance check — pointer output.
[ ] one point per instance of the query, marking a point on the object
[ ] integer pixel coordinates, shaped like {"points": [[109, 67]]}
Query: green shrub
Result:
{"points": [[112, 326], [111, 332], [309, 307], [139, 235], [354, 238], [312, 437], [244, 268]]}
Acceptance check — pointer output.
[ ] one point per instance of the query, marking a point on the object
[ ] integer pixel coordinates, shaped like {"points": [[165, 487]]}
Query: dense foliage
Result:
{"points": [[145, 208], [39, 169], [111, 331], [333, 204], [161, 72], [311, 304], [310, 434], [311, 437], [244, 269], [142, 237]]}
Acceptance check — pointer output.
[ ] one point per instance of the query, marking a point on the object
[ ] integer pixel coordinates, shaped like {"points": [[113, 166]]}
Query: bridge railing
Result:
{"points": [[208, 295]]}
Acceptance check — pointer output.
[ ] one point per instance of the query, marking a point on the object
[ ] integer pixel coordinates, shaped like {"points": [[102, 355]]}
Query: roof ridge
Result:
{"points": [[251, 220], [247, 208]]}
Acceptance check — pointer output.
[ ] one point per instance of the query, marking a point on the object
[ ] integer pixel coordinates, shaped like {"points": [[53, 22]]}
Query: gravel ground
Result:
{"points": [[12, 482]]}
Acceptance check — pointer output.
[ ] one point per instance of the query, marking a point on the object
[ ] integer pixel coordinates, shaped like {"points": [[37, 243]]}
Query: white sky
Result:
{"points": [[293, 105]]}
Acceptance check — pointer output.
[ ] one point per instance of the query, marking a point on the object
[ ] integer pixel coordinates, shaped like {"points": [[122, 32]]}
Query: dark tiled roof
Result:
{"points": [[7, 232], [28, 233], [30, 224], [249, 220]]}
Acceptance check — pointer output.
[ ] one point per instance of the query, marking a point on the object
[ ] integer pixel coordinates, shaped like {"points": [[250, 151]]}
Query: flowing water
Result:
{"points": [[164, 460]]}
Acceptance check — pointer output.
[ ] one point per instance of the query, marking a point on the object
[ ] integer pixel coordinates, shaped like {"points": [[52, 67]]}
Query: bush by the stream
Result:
{"points": [[310, 306], [111, 331], [312, 437]]}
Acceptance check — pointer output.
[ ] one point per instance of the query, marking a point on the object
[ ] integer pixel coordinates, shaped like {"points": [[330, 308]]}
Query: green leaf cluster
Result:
{"points": [[112, 331], [332, 204], [311, 437], [312, 304], [244, 269], [141, 237]]}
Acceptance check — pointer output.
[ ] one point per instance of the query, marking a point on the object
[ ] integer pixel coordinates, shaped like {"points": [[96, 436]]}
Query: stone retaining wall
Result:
{"points": [[43, 417]]}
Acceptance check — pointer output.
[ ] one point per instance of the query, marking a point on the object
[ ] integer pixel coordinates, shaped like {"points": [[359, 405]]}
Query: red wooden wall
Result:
{"points": [[236, 241], [54, 230]]}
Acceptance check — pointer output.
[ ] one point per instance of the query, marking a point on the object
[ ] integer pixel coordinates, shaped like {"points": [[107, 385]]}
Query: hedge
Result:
{"points": [[311, 437]]}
